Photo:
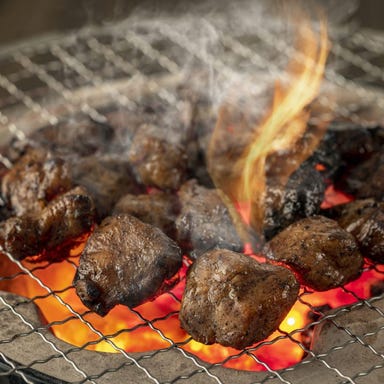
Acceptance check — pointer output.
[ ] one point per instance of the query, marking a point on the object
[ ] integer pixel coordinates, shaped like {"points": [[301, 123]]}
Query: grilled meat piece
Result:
{"points": [[66, 217], [159, 209], [364, 219], [204, 221], [63, 220], [233, 300], [323, 255], [81, 138], [204, 119], [33, 181], [157, 162], [125, 261], [366, 180], [19, 236], [301, 197], [166, 121], [357, 142], [346, 145], [106, 179]]}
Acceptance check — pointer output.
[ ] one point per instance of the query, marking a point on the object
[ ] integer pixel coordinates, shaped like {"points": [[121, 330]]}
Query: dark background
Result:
{"points": [[20, 19]]}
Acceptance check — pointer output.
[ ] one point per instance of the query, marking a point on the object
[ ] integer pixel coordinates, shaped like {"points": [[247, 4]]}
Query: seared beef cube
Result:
{"points": [[66, 217], [204, 221], [232, 135], [125, 261], [327, 155], [157, 162], [364, 219], [367, 179], [63, 220], [33, 181], [355, 143], [20, 236], [81, 138], [323, 254], [346, 145], [301, 197], [125, 123], [159, 209], [233, 300], [106, 180], [149, 111], [199, 134]]}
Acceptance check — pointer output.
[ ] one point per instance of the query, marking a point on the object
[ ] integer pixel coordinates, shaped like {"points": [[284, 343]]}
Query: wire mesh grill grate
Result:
{"points": [[44, 83]]}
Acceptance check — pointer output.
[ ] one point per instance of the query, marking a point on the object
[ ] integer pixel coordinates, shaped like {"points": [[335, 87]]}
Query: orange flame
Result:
{"points": [[281, 131], [287, 121]]}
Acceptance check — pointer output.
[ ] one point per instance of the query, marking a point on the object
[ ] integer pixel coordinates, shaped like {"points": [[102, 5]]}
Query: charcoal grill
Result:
{"points": [[44, 82]]}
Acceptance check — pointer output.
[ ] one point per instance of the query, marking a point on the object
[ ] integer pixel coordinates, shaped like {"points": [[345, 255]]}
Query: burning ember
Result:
{"points": [[281, 130], [270, 155]]}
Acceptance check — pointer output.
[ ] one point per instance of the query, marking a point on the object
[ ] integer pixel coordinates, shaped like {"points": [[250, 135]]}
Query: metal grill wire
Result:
{"points": [[59, 67]]}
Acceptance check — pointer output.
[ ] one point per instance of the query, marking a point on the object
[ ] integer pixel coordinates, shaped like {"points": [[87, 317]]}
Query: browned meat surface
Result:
{"points": [[300, 197], [322, 254], [233, 300], [157, 162], [82, 138], [66, 217], [204, 221], [345, 146], [106, 179], [166, 121], [125, 261], [203, 121], [364, 219], [159, 209], [63, 220], [33, 181], [354, 142], [366, 179], [19, 236]]}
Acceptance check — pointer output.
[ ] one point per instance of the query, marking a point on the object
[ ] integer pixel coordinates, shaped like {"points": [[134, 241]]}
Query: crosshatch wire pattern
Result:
{"points": [[59, 67]]}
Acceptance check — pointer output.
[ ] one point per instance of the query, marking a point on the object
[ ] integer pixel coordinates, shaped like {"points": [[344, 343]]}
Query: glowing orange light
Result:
{"points": [[291, 321], [281, 131], [334, 197], [287, 121]]}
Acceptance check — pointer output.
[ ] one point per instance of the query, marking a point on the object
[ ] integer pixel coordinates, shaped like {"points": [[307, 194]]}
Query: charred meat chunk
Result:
{"points": [[125, 261], [106, 179], [81, 137], [159, 209], [157, 162], [364, 219], [204, 221], [19, 236], [322, 254], [66, 217], [344, 146], [357, 143], [233, 300], [33, 181], [63, 220], [300, 197], [367, 179]]}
